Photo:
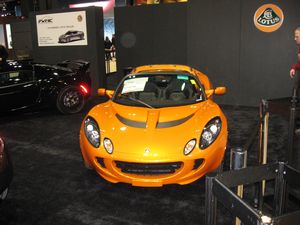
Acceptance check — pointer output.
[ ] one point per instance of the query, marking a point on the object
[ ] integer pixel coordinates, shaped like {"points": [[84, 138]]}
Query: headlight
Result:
{"points": [[92, 131], [210, 132], [189, 147], [108, 145]]}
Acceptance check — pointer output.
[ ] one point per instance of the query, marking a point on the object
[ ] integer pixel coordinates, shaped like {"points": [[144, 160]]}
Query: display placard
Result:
{"points": [[62, 29]]}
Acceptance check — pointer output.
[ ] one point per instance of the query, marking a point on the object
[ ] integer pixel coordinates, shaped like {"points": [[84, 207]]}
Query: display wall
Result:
{"points": [[150, 34], [217, 37], [21, 39], [92, 52], [251, 63]]}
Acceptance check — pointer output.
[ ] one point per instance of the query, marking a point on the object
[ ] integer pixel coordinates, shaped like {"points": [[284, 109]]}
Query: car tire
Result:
{"points": [[4, 194], [70, 100]]}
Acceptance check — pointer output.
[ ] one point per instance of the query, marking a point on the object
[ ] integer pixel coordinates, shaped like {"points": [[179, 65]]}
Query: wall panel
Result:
{"points": [[150, 34]]}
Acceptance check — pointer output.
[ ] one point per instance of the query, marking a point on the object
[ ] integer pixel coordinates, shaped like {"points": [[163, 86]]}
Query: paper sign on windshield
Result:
{"points": [[134, 85]]}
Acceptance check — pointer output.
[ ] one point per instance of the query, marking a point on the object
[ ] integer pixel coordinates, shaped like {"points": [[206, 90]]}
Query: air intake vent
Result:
{"points": [[173, 123], [198, 163], [101, 162], [131, 123], [147, 168]]}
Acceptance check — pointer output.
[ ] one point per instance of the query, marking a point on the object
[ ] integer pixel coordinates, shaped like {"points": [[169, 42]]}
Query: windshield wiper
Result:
{"points": [[136, 100]]}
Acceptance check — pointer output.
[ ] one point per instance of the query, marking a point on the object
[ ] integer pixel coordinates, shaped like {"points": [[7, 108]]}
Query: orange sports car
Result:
{"points": [[159, 127]]}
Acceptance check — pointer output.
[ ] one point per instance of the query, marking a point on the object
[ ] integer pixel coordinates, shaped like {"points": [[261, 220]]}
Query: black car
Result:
{"points": [[24, 84], [71, 35], [6, 172]]}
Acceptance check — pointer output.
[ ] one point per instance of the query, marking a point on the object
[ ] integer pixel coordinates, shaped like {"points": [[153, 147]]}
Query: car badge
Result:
{"points": [[147, 150]]}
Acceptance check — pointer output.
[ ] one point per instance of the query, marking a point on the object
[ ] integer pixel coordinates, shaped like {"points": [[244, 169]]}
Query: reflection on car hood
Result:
{"points": [[143, 115]]}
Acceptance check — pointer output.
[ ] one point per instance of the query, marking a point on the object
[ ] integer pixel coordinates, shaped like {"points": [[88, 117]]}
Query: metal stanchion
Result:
{"points": [[210, 201], [280, 194], [293, 115], [238, 160], [263, 151]]}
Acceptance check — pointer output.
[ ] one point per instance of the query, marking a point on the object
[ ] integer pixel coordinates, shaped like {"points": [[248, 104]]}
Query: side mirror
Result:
{"points": [[220, 90], [103, 91]]}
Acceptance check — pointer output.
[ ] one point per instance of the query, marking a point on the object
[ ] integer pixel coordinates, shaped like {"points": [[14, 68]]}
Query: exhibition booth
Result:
{"points": [[153, 142]]}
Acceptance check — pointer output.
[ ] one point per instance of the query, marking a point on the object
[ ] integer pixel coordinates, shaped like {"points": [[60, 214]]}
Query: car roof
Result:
{"points": [[163, 68]]}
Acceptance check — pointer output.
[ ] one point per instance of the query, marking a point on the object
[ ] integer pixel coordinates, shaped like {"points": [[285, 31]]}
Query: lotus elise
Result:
{"points": [[160, 126]]}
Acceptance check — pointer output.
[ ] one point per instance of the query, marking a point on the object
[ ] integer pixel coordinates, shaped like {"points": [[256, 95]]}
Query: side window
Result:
{"points": [[25, 76], [15, 77]]}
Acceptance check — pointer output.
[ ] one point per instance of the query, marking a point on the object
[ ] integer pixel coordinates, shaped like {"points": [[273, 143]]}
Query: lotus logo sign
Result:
{"points": [[268, 18]]}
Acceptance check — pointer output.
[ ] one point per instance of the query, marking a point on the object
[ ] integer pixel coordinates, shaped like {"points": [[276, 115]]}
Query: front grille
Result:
{"points": [[148, 168]]}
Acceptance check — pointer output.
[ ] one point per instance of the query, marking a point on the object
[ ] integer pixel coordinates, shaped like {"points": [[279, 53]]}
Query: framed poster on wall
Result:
{"points": [[62, 29]]}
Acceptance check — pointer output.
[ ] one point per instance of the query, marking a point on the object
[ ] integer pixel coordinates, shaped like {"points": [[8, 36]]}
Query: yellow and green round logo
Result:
{"points": [[268, 18]]}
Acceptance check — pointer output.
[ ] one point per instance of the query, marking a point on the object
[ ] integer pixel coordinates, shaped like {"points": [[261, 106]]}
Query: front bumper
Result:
{"points": [[138, 172]]}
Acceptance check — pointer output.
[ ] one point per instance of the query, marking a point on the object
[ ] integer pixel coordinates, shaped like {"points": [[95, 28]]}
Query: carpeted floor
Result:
{"points": [[52, 187]]}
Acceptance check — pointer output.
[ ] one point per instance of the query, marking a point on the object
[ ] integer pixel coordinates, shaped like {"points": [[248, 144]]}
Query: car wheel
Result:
{"points": [[4, 194], [70, 100]]}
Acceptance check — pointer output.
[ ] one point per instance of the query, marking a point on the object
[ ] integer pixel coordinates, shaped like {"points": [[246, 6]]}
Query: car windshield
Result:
{"points": [[159, 90]]}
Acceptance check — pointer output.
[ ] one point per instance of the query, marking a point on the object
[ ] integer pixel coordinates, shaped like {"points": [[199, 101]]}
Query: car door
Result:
{"points": [[73, 36], [18, 89]]}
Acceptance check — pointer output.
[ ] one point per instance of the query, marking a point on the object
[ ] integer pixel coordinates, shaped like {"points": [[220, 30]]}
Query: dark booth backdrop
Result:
{"points": [[150, 34], [217, 37]]}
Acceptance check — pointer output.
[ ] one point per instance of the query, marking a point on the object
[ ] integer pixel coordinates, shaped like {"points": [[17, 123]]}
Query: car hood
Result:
{"points": [[155, 132]]}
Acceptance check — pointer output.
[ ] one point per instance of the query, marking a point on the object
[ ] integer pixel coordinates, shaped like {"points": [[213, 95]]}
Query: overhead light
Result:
{"points": [[106, 5]]}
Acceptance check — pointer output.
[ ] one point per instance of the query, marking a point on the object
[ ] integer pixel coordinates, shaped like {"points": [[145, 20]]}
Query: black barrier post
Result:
{"points": [[210, 200], [280, 190], [219, 188], [291, 133], [238, 160]]}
